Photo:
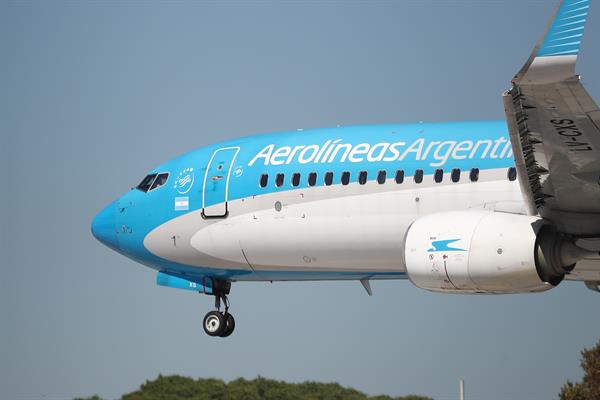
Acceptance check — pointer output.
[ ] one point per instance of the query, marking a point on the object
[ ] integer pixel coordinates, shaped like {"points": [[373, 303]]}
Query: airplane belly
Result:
{"points": [[349, 229], [354, 229], [191, 240], [325, 235]]}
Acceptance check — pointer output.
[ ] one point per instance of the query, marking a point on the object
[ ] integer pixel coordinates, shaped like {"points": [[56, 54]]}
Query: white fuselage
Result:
{"points": [[349, 231]]}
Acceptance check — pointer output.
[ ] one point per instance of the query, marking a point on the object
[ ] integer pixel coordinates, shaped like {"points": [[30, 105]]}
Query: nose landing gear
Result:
{"points": [[217, 323]]}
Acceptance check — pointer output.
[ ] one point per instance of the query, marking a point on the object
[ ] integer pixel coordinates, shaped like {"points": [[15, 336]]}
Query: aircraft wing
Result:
{"points": [[554, 127]]}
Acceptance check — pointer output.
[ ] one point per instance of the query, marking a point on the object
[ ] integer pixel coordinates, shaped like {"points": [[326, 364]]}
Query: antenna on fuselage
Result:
{"points": [[367, 286]]}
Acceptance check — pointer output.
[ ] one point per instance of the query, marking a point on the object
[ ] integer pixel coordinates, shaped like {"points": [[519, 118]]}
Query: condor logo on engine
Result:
{"points": [[444, 245]]}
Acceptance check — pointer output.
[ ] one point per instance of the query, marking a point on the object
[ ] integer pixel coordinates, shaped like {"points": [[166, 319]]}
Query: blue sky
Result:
{"points": [[94, 94]]}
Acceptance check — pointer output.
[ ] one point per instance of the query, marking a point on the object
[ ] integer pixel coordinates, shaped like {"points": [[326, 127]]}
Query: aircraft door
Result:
{"points": [[216, 182]]}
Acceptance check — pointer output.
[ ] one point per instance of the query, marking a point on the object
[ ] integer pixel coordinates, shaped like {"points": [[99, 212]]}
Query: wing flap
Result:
{"points": [[557, 146], [554, 128]]}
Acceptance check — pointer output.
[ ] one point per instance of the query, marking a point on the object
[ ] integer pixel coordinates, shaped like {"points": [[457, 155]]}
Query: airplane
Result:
{"points": [[481, 207]]}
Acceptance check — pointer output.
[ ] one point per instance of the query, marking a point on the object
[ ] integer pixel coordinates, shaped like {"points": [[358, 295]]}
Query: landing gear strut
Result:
{"points": [[217, 323]]}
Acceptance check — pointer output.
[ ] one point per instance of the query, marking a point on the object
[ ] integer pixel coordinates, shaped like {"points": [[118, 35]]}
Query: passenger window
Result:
{"points": [[160, 180], [455, 176], [328, 178], [312, 179], [279, 180], [439, 175], [345, 178], [418, 176], [295, 179], [381, 177], [474, 174], [264, 179], [512, 173], [399, 178], [146, 183], [362, 177]]}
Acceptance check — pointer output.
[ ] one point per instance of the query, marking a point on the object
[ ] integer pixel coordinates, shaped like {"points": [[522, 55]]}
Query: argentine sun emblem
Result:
{"points": [[238, 171], [184, 181]]}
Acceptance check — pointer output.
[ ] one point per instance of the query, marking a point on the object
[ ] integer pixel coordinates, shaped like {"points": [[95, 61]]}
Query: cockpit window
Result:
{"points": [[153, 181], [160, 180], [146, 183]]}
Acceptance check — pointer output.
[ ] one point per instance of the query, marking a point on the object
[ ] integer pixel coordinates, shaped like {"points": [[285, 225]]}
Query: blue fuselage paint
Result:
{"points": [[232, 170]]}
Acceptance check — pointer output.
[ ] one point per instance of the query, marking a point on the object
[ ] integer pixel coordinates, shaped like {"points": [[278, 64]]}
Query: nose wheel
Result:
{"points": [[217, 323]]}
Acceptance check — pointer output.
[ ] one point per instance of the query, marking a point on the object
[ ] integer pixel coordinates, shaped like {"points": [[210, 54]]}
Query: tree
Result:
{"points": [[182, 388], [589, 387]]}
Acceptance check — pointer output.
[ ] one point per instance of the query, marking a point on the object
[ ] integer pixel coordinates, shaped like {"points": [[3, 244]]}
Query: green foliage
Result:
{"points": [[589, 387], [182, 388]]}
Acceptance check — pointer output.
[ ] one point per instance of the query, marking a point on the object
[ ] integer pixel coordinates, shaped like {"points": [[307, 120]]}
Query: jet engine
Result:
{"points": [[478, 251]]}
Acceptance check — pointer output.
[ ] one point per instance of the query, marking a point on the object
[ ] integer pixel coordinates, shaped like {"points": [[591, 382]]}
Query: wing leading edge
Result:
{"points": [[554, 126]]}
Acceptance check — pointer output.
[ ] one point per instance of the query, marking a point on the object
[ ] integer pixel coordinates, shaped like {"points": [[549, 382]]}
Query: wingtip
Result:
{"points": [[554, 56]]}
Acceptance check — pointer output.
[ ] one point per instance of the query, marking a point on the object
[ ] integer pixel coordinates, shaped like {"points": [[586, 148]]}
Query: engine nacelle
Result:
{"points": [[476, 251]]}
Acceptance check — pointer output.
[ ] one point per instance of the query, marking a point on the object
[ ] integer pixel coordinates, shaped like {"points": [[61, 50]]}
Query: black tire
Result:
{"points": [[214, 323], [229, 326]]}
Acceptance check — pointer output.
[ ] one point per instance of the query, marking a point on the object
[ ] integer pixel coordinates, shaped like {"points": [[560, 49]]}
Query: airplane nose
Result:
{"points": [[103, 227]]}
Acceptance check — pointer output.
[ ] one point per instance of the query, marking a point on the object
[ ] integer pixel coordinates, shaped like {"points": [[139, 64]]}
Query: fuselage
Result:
{"points": [[309, 205]]}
